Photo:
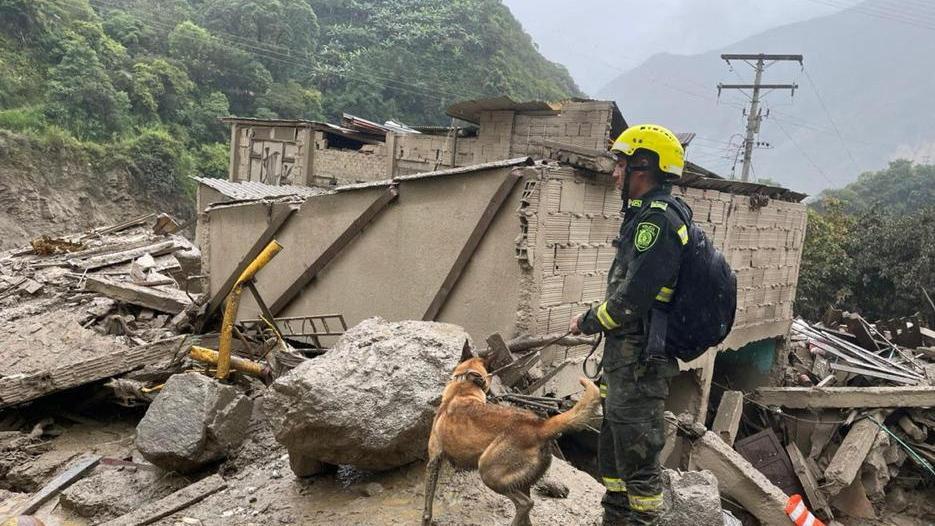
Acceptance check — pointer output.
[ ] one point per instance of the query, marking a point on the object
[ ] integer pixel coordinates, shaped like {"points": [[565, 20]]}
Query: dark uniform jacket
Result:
{"points": [[643, 275]]}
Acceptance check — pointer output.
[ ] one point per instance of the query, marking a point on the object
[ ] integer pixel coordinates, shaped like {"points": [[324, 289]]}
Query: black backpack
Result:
{"points": [[701, 313]]}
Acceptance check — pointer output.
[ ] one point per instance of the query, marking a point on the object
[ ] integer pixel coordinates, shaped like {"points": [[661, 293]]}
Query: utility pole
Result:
{"points": [[759, 63]]}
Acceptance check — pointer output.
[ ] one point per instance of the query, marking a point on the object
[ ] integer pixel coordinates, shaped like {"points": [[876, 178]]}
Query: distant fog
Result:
{"points": [[598, 40]]}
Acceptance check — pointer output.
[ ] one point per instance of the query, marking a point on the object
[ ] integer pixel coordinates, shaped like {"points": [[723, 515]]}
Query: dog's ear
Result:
{"points": [[466, 352]]}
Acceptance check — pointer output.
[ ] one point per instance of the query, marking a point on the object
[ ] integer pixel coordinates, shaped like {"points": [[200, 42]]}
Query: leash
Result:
{"points": [[600, 365]]}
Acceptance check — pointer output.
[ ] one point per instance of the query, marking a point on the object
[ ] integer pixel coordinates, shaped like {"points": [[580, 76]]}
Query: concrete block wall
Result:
{"points": [[426, 153], [573, 218], [494, 135], [269, 154], [586, 124], [348, 166]]}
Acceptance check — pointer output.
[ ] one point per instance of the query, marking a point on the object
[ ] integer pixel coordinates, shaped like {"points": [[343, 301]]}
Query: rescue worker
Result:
{"points": [[641, 280]]}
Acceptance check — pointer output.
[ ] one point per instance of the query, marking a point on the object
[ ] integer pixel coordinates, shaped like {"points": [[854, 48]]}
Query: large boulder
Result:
{"points": [[194, 421], [370, 400]]}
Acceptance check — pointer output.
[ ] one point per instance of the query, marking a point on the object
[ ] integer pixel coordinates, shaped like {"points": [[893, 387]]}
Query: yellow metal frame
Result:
{"points": [[211, 357], [232, 306]]}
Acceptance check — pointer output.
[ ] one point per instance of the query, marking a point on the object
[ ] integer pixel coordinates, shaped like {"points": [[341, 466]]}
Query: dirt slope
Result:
{"points": [[47, 190]]}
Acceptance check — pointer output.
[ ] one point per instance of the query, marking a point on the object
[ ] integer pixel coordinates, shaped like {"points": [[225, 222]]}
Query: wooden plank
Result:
{"points": [[106, 260], [847, 397], [514, 371], [727, 421], [473, 241], [276, 224], [161, 300], [21, 388], [339, 244], [72, 474], [815, 497], [162, 508], [524, 343]]}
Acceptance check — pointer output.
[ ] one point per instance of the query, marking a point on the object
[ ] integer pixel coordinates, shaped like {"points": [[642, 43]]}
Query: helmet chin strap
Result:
{"points": [[625, 191]]}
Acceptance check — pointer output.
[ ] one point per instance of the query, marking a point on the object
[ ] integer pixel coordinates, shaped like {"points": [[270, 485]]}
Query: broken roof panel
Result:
{"points": [[249, 190]]}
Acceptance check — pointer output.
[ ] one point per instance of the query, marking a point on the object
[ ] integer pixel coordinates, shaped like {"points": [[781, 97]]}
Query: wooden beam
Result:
{"points": [[17, 389], [171, 301], [154, 511], [846, 397], [524, 343], [807, 479], [275, 225], [72, 474], [470, 246], [106, 260], [339, 244]]}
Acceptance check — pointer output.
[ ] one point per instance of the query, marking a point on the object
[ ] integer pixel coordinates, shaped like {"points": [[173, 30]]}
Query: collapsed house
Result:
{"points": [[511, 245]]}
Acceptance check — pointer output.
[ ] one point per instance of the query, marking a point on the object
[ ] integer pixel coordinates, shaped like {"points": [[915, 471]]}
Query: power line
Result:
{"points": [[834, 125], [904, 17], [265, 50], [805, 154]]}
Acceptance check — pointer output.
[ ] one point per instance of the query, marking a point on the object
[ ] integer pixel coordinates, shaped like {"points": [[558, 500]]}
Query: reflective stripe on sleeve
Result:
{"points": [[661, 205], [603, 388], [665, 294], [683, 234], [604, 318]]}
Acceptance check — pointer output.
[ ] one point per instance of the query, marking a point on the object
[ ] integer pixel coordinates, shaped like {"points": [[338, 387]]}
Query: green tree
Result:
{"points": [[901, 188], [894, 258], [81, 96], [217, 66], [284, 32], [826, 272], [202, 118], [159, 89], [292, 101]]}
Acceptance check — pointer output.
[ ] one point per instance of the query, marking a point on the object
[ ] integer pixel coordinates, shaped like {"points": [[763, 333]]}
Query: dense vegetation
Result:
{"points": [[870, 246], [152, 76]]}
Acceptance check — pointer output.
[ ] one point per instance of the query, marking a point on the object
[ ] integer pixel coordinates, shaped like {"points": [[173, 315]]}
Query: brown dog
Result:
{"points": [[509, 447]]}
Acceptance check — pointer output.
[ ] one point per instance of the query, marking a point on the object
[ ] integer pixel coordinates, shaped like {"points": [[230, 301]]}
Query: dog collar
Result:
{"points": [[474, 377]]}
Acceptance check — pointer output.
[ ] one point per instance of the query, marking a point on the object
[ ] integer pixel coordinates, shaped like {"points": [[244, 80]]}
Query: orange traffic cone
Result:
{"points": [[799, 514]]}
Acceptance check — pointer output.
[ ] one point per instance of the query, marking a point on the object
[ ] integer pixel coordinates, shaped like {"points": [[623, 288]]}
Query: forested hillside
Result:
{"points": [[870, 246], [148, 78]]}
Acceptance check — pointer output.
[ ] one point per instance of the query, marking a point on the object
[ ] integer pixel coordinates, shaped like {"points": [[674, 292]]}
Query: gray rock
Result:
{"points": [[370, 400], [194, 421], [692, 499]]}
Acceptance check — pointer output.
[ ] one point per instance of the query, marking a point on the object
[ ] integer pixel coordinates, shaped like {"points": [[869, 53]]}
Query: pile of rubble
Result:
{"points": [[83, 308], [852, 428]]}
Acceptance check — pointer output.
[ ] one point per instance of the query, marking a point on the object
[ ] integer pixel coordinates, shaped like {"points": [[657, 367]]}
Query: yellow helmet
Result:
{"points": [[656, 139]]}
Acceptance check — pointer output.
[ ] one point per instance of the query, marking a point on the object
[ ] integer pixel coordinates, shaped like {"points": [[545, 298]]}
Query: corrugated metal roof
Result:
{"points": [[249, 190]]}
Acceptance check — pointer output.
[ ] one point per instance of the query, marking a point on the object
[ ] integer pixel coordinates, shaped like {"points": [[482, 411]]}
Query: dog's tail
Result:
{"points": [[576, 417]]}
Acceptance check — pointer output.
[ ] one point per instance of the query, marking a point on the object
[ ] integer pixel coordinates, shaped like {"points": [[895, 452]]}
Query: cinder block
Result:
{"points": [[572, 196], [579, 230], [551, 290], [566, 259], [587, 259], [573, 289]]}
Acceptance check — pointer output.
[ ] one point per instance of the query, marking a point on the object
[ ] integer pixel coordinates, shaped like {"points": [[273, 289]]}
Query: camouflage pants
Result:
{"points": [[632, 434]]}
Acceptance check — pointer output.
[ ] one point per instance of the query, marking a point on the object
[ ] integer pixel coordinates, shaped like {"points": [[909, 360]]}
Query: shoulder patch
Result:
{"points": [[662, 205], [646, 236]]}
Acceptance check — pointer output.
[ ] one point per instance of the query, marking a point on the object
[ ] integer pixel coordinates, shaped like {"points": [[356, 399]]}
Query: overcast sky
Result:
{"points": [[599, 39]]}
